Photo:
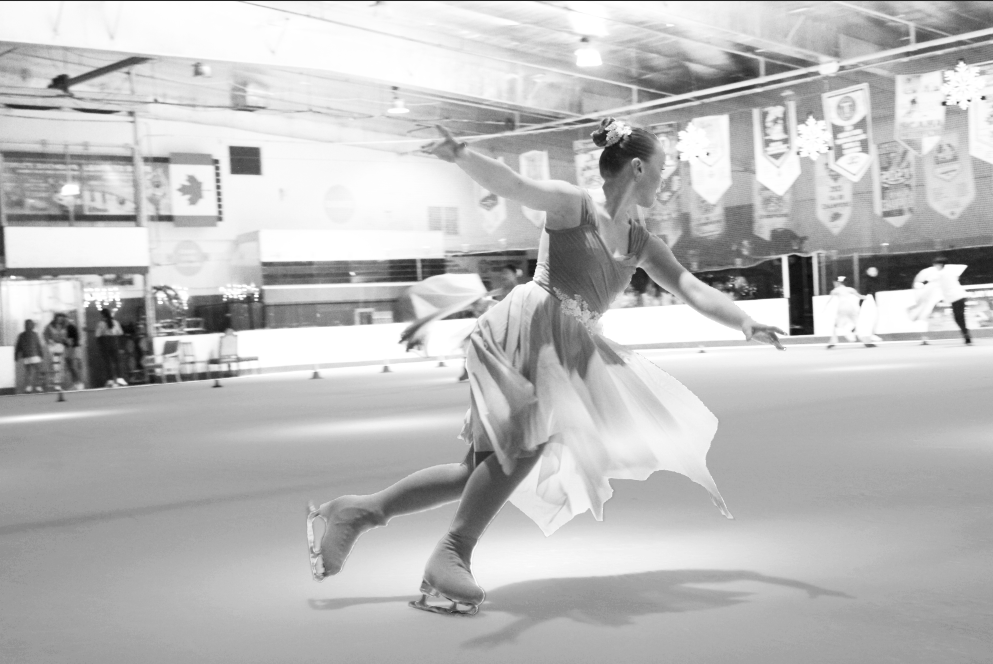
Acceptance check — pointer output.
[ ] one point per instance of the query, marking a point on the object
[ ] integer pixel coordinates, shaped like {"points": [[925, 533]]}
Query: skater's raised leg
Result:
{"points": [[348, 517], [448, 573]]}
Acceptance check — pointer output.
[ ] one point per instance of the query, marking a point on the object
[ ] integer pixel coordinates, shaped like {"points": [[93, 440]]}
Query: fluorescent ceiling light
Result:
{"points": [[70, 189]]}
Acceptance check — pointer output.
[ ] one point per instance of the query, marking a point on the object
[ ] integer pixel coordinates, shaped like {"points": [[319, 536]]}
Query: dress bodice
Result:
{"points": [[576, 266]]}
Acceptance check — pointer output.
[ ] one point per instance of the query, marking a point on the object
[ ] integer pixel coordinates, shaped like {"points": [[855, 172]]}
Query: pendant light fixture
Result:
{"points": [[586, 55], [398, 107]]}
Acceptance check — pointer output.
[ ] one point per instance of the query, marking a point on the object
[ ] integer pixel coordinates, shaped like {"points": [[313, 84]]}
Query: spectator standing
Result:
{"points": [[73, 359], [56, 342], [108, 337], [29, 351]]}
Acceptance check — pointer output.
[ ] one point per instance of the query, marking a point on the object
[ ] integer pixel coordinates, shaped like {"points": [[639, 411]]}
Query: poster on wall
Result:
{"points": [[894, 183], [157, 189], [706, 218], [920, 113], [777, 164], [948, 177], [849, 118], [193, 189], [663, 219], [587, 157], [711, 173], [108, 188], [981, 124], [492, 208], [832, 197], [32, 186], [772, 210], [534, 165]]}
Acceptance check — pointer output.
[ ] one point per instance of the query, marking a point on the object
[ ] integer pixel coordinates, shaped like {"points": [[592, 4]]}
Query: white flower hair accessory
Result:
{"points": [[617, 130]]}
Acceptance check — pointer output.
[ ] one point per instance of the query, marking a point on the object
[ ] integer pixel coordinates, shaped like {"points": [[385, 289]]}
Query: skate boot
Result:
{"points": [[447, 575], [345, 519]]}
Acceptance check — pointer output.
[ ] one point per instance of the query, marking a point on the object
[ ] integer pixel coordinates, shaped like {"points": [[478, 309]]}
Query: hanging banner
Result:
{"points": [[981, 124], [492, 208], [706, 218], [772, 210], [832, 197], [893, 183], [588, 168], [193, 185], [711, 173], [849, 119], [777, 164], [920, 113], [663, 219], [948, 177], [534, 165]]}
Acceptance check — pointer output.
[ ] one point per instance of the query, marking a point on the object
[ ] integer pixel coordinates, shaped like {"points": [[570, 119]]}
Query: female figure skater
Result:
{"points": [[556, 410]]}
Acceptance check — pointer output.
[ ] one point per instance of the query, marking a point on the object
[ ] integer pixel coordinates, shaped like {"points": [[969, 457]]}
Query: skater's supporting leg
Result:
{"points": [[958, 311], [348, 517], [448, 570]]}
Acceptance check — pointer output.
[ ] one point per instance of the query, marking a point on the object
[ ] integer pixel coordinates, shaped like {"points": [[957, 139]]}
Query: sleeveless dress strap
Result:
{"points": [[637, 240]]}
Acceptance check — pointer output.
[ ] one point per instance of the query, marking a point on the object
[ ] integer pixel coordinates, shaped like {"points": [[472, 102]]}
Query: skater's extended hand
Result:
{"points": [[447, 148], [762, 333]]}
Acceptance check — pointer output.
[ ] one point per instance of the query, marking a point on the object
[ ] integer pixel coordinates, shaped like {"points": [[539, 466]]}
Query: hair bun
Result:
{"points": [[600, 135]]}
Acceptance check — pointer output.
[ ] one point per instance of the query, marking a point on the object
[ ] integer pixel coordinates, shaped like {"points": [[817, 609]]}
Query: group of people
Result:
{"points": [[58, 347], [938, 283], [57, 353]]}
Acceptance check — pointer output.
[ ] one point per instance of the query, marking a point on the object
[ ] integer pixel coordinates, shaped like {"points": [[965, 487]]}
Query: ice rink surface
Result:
{"points": [[167, 523]]}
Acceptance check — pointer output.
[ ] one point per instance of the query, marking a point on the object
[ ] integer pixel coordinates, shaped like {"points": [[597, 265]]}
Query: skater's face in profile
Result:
{"points": [[647, 177]]}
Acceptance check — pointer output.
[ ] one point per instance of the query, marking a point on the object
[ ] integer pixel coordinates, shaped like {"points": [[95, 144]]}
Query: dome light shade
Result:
{"points": [[586, 55], [398, 107]]}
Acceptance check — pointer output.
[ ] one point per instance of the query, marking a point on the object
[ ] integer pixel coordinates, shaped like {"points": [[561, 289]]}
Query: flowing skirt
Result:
{"points": [[539, 375]]}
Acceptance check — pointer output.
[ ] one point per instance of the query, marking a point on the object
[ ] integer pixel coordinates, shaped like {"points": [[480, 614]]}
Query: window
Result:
{"points": [[444, 219], [245, 161]]}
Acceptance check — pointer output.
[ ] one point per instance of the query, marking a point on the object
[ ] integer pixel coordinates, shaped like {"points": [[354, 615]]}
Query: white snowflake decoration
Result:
{"points": [[813, 138], [963, 86], [693, 143]]}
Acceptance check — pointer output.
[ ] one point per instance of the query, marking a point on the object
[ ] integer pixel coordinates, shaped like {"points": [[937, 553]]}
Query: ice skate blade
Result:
{"points": [[316, 562], [452, 610]]}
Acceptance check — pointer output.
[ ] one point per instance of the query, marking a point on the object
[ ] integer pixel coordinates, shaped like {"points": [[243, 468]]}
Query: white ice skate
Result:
{"points": [[447, 575], [344, 520]]}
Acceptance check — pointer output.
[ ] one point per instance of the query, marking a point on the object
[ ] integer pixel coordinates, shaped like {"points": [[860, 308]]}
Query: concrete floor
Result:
{"points": [[166, 523]]}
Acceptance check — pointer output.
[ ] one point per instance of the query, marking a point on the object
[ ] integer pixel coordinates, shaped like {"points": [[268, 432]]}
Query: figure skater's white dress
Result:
{"points": [[540, 371]]}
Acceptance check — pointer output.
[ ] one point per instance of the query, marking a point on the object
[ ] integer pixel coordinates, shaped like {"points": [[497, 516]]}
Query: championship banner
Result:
{"points": [[849, 119], [193, 189], [981, 124], [534, 165], [772, 210], [588, 168], [492, 208], [706, 219], [663, 218], [711, 173], [920, 113], [832, 197], [777, 164], [893, 183], [948, 177]]}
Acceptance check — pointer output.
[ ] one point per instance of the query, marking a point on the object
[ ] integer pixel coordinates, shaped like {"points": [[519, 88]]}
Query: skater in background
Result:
{"points": [[29, 351], [846, 301], [556, 410], [940, 282]]}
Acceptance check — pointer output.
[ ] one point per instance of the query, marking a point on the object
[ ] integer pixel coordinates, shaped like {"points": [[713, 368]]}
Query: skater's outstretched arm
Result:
{"points": [[660, 264], [556, 197]]}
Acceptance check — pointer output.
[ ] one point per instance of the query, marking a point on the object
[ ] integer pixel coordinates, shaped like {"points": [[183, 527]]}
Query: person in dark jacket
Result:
{"points": [[29, 351]]}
